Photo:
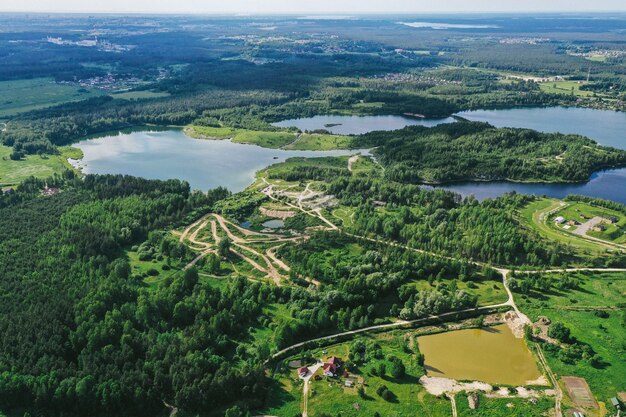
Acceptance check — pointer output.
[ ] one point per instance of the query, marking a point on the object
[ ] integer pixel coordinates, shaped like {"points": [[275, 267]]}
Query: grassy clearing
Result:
{"points": [[365, 164], [565, 87], [582, 212], [14, 172], [140, 95], [151, 271], [20, 96], [488, 292], [273, 140], [317, 142], [578, 309], [535, 216], [504, 407]]}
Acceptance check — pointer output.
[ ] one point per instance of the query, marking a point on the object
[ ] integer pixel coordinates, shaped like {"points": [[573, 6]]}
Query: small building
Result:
{"points": [[349, 383], [304, 371], [335, 361], [330, 369], [615, 402], [559, 220], [7, 190]]}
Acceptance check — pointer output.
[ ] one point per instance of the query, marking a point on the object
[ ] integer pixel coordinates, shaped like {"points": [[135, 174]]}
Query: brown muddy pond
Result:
{"points": [[491, 355]]}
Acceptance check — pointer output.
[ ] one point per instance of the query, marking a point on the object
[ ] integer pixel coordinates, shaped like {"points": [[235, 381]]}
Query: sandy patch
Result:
{"points": [[437, 385]]}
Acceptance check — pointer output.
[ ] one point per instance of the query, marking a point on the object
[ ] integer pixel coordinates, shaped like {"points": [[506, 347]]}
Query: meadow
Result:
{"points": [[21, 96], [13, 172], [595, 314]]}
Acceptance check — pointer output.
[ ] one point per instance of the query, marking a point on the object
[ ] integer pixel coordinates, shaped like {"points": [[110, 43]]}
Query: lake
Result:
{"points": [[609, 185], [606, 127], [491, 355], [205, 164], [358, 125]]}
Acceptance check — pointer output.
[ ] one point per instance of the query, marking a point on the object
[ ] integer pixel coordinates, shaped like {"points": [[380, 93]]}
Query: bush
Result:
{"points": [[153, 272]]}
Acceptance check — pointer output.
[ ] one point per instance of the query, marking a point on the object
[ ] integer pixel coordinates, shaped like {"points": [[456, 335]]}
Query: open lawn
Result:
{"points": [[317, 142], [596, 315], [273, 140], [565, 87], [20, 96], [539, 215], [14, 172], [504, 407]]}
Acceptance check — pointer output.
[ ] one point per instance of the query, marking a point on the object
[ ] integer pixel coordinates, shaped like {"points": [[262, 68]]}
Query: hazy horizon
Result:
{"points": [[342, 7]]}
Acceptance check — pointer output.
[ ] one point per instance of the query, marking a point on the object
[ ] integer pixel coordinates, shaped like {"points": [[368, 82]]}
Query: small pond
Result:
{"points": [[274, 224], [491, 355]]}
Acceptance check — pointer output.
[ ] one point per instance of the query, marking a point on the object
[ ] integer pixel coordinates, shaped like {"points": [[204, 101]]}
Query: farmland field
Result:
{"points": [[25, 95]]}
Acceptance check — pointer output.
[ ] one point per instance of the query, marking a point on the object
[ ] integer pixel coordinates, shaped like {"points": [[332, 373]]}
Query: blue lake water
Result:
{"points": [[358, 125], [205, 164], [606, 127]]}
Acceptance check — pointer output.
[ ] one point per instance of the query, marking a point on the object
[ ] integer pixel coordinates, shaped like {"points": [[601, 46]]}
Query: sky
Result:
{"points": [[309, 6]]}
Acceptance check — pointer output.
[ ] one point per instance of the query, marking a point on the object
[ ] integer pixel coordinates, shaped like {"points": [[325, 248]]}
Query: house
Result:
{"points": [[559, 220], [349, 383], [332, 365], [304, 371], [330, 369], [335, 361], [7, 190]]}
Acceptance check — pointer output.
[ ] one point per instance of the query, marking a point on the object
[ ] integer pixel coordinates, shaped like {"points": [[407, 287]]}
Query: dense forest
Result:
{"points": [[472, 150]]}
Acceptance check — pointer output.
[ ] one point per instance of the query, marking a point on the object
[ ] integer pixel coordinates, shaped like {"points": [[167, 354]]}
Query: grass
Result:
{"points": [[318, 142], [582, 212], [330, 396], [14, 172], [365, 164], [21, 96], [488, 292], [534, 216], [565, 87], [142, 268], [273, 140], [504, 407], [140, 95], [291, 163], [577, 309]]}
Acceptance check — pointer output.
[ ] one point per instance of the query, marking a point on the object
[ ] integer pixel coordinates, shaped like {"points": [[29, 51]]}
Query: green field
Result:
{"points": [[317, 142], [581, 212], [536, 216], [578, 309], [25, 95], [14, 172], [274, 140], [565, 87], [504, 407]]}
